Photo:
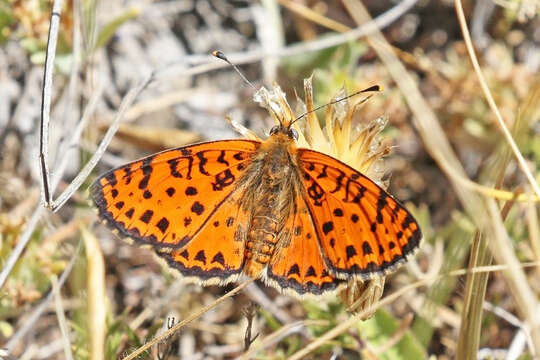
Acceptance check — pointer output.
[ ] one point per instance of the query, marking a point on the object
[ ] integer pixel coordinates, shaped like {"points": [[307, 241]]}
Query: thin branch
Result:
{"points": [[297, 327], [380, 22], [46, 98], [195, 315], [89, 166]]}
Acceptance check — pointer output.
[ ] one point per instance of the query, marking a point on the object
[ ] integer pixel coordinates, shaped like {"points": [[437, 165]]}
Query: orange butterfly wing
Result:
{"points": [[362, 230], [215, 255], [166, 199], [297, 264]]}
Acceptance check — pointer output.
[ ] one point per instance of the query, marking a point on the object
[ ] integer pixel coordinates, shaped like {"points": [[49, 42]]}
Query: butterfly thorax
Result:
{"points": [[271, 188]]}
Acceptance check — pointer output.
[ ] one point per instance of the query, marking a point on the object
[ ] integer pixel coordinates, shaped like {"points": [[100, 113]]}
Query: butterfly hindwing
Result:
{"points": [[363, 231], [165, 199], [215, 254], [297, 264]]}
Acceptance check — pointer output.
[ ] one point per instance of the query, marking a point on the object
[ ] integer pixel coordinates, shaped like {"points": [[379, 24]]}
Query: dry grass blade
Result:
{"points": [[61, 318], [491, 101], [476, 283], [96, 297], [534, 230], [475, 290], [314, 16], [502, 251]]}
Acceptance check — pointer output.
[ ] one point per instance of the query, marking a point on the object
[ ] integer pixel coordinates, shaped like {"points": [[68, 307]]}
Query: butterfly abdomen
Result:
{"points": [[271, 194]]}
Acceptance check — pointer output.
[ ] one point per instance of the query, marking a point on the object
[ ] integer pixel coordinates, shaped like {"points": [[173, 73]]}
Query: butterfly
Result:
{"points": [[302, 221]]}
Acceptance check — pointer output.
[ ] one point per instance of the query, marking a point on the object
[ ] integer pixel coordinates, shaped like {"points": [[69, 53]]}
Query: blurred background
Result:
{"points": [[72, 289]]}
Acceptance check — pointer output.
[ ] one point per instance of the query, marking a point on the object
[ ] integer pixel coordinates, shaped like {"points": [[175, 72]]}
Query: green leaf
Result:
{"points": [[380, 328], [109, 29]]}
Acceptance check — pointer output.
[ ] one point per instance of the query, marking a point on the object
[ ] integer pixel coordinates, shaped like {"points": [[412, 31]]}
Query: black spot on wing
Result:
{"points": [[201, 257], [173, 167], [197, 208], [146, 169], [327, 227], [221, 158], [351, 251], [366, 248], [163, 224], [202, 163], [146, 216], [311, 271], [238, 156], [339, 182], [218, 258], [111, 178], [338, 212], [407, 221], [130, 212], [222, 180], [294, 270]]}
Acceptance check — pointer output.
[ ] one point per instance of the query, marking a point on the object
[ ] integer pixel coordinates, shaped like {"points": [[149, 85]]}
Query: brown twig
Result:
{"points": [[181, 324], [249, 312]]}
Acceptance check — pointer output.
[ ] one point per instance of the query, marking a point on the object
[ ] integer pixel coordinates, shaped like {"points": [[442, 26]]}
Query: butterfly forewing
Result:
{"points": [[362, 230], [165, 199]]}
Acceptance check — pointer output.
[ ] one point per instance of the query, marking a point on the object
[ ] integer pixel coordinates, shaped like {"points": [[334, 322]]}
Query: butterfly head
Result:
{"points": [[284, 130]]}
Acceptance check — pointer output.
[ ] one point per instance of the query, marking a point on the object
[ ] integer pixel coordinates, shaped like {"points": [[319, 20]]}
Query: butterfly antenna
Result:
{"points": [[373, 88], [220, 55]]}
